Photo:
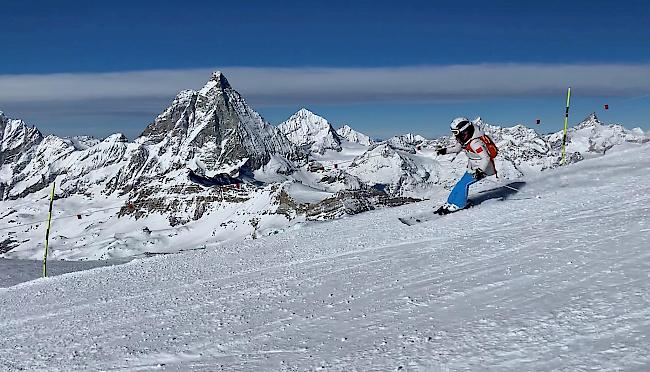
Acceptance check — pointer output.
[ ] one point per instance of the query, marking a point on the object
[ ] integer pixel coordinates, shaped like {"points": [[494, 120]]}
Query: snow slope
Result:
{"points": [[555, 282]]}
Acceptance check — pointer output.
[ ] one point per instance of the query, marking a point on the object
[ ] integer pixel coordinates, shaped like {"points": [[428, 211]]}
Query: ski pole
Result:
{"points": [[511, 188]]}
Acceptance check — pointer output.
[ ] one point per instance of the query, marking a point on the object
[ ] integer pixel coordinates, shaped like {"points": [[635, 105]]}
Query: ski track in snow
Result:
{"points": [[555, 282]]}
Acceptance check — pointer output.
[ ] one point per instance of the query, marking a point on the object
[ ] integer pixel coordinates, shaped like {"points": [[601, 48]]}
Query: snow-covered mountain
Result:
{"points": [[592, 138], [310, 132], [82, 142], [209, 131], [529, 151], [18, 143], [16, 138], [407, 165], [354, 136], [407, 142], [154, 179], [397, 172], [209, 162], [214, 130], [521, 147]]}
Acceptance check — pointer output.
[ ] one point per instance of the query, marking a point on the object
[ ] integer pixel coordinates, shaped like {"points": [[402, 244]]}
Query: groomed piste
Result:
{"points": [[558, 281]]}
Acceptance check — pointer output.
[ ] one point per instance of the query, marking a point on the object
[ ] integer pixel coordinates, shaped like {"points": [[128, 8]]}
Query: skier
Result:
{"points": [[480, 150]]}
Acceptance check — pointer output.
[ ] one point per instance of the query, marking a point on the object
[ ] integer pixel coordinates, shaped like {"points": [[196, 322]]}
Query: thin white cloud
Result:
{"points": [[272, 85]]}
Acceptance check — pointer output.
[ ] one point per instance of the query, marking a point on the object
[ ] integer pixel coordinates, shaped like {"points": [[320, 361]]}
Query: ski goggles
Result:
{"points": [[461, 127]]}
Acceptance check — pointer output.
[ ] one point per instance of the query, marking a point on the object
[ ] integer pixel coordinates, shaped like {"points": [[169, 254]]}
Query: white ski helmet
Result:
{"points": [[462, 128]]}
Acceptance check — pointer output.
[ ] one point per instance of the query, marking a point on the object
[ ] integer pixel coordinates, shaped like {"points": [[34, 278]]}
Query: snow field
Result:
{"points": [[556, 282]]}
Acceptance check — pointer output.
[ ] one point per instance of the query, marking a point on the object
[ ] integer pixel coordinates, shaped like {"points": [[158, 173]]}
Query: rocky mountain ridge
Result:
{"points": [[276, 177]]}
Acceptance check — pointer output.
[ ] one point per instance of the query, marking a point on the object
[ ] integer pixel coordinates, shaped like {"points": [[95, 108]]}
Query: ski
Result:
{"points": [[419, 218], [428, 216]]}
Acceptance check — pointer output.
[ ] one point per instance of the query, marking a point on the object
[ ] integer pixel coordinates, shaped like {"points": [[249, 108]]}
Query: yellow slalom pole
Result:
{"points": [[566, 124], [47, 233]]}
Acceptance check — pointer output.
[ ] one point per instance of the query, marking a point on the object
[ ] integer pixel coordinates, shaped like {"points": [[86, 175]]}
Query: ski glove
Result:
{"points": [[441, 151], [479, 175]]}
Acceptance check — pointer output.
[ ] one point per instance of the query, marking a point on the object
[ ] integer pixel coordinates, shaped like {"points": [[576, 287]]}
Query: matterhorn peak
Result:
{"points": [[216, 127], [220, 79], [217, 82]]}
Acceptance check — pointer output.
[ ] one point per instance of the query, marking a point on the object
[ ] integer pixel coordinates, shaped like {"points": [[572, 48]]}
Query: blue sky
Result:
{"points": [[597, 46]]}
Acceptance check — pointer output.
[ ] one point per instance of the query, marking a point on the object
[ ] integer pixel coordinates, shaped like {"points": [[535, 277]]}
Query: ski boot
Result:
{"points": [[446, 209]]}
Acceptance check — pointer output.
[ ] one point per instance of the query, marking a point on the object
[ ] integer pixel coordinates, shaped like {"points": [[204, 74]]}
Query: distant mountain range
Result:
{"points": [[210, 168]]}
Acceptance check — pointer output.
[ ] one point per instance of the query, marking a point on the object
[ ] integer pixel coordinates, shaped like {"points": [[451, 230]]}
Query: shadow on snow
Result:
{"points": [[500, 193]]}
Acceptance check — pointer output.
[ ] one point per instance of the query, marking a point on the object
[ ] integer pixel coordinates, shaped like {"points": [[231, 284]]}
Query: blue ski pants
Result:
{"points": [[459, 193]]}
